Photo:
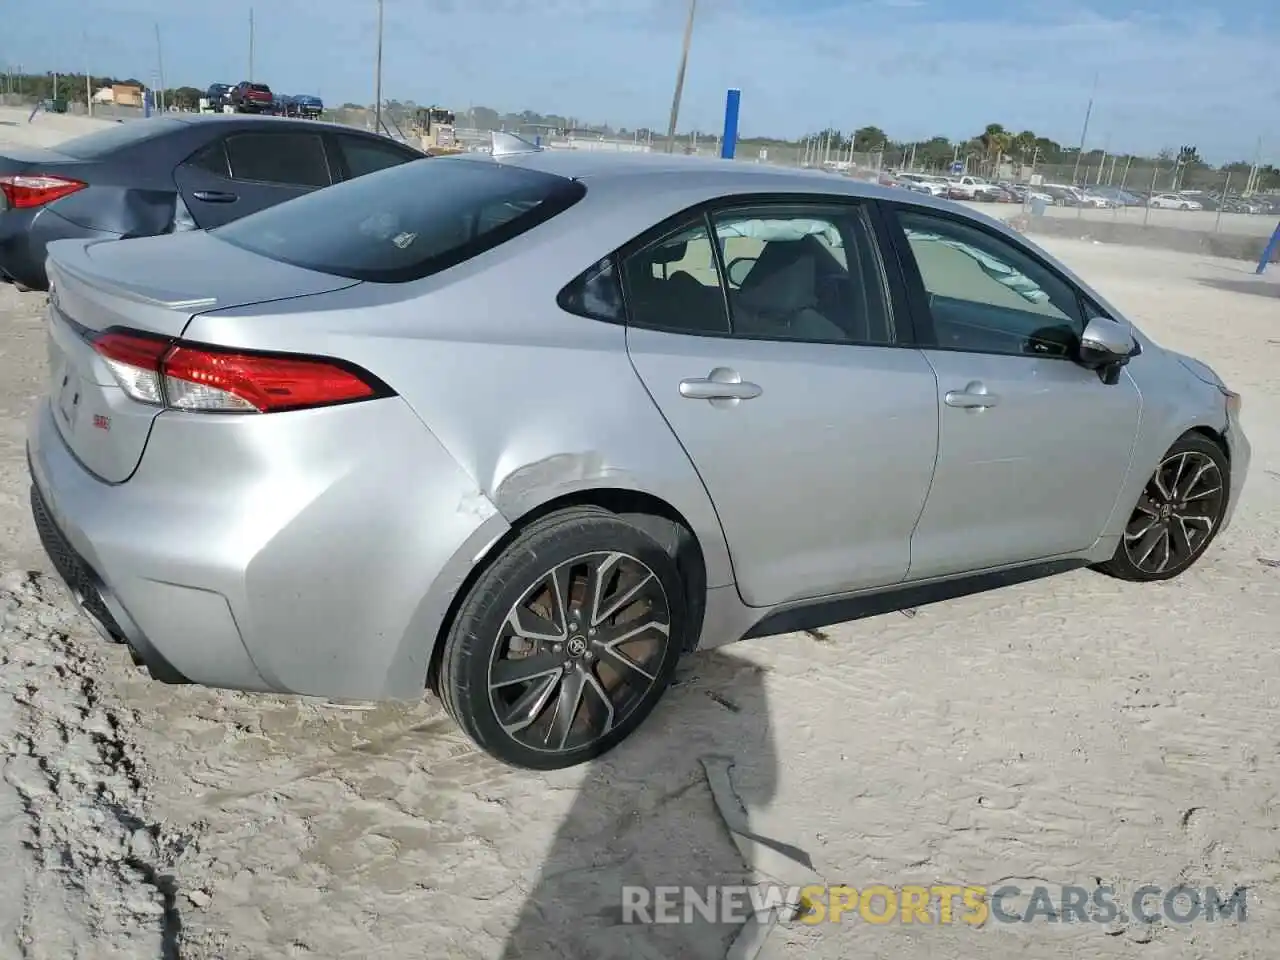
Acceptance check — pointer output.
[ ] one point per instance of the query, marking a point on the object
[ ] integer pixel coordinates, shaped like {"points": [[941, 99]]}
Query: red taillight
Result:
{"points": [[189, 377], [23, 191]]}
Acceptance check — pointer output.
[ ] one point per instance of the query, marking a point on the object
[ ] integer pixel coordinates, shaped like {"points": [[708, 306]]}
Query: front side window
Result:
{"points": [[405, 222], [293, 159], [804, 273], [987, 296]]}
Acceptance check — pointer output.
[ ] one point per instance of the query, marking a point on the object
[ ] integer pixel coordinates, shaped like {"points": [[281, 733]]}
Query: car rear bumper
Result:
{"points": [[315, 553], [24, 235]]}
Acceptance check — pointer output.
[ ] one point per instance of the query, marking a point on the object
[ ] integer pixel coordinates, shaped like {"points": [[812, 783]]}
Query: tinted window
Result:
{"points": [[804, 273], [292, 158], [674, 284], [211, 159], [130, 133], [405, 222], [987, 296], [596, 294], [366, 155], [259, 87]]}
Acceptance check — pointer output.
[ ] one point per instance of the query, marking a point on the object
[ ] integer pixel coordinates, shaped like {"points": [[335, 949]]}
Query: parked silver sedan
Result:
{"points": [[523, 429]]}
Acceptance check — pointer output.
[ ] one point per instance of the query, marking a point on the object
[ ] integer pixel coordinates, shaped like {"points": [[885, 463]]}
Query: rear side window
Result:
{"points": [[211, 159], [595, 294], [405, 222], [129, 133], [290, 158], [366, 155]]}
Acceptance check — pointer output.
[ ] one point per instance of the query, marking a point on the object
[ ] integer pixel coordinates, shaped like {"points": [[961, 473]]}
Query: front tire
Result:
{"points": [[565, 644], [1177, 515]]}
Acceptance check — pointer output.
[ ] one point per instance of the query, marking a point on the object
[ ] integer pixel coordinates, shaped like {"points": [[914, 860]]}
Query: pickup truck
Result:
{"points": [[248, 97], [305, 105], [971, 188]]}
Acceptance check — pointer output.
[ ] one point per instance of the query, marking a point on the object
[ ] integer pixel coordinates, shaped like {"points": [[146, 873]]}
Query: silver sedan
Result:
{"points": [[523, 429]]}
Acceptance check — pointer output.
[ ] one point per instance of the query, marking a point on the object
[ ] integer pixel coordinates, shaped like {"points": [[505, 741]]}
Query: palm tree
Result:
{"points": [[995, 142], [1024, 145]]}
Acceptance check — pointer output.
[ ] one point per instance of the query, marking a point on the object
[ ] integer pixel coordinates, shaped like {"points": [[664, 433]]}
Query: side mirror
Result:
{"points": [[1106, 346], [738, 269]]}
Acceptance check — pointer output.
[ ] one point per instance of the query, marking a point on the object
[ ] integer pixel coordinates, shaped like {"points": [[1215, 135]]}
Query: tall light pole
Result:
{"points": [[377, 85], [160, 65], [251, 44], [684, 61], [1085, 132]]}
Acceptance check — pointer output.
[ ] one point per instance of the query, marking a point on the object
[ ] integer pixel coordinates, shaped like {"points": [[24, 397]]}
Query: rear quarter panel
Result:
{"points": [[533, 403]]}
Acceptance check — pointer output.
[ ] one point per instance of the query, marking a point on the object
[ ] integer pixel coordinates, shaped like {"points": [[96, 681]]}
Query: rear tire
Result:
{"points": [[566, 642], [1178, 513]]}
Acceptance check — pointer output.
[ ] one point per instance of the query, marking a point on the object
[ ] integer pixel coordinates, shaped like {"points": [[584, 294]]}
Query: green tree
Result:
{"points": [[869, 139]]}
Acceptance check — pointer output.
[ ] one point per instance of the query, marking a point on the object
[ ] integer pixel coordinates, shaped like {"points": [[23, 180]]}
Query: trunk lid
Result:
{"points": [[154, 285], [24, 159]]}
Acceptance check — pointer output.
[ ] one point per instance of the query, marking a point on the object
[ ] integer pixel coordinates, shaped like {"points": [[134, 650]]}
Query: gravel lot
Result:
{"points": [[1071, 731]]}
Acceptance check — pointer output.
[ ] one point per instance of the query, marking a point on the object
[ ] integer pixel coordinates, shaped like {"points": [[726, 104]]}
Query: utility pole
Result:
{"points": [[377, 83], [1085, 132], [684, 62], [251, 44], [88, 80], [160, 65]]}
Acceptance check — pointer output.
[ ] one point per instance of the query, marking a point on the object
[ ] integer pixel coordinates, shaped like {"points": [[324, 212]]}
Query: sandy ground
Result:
{"points": [[1072, 731]]}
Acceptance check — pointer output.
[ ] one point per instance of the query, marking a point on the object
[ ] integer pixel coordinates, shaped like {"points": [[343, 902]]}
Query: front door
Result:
{"points": [[813, 430], [246, 172], [1033, 449]]}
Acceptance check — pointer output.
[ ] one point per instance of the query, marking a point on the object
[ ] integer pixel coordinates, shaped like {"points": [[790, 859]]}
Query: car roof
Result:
{"points": [[247, 119], [598, 166]]}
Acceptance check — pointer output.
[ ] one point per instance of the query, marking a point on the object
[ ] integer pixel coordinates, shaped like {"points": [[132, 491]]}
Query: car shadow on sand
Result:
{"points": [[645, 816], [1259, 286]]}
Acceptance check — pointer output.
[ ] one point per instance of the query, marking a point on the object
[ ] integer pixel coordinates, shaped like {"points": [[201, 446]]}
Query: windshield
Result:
{"points": [[404, 222], [126, 133]]}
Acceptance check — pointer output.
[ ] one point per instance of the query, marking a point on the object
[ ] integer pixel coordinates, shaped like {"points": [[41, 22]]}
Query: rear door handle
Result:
{"points": [[973, 397], [721, 384], [215, 196]]}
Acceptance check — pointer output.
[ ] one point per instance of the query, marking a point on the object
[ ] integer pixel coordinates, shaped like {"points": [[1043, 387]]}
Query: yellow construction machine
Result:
{"points": [[434, 126]]}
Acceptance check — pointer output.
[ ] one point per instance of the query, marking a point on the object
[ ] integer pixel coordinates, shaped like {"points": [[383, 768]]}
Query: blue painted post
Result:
{"points": [[729, 141], [146, 103], [1272, 245]]}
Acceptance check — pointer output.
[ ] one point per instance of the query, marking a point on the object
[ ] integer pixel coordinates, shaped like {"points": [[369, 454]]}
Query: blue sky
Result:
{"points": [[1169, 72]]}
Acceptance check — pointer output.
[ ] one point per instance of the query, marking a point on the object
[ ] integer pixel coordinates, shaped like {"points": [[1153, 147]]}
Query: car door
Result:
{"points": [[776, 354], [248, 171], [1032, 448], [357, 155]]}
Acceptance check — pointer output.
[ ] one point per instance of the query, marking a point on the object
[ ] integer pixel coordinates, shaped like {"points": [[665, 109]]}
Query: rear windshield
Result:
{"points": [[117, 136], [405, 222], [260, 87]]}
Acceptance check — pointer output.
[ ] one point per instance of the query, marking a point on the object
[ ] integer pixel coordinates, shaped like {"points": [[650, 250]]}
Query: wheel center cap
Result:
{"points": [[1166, 511], [576, 646]]}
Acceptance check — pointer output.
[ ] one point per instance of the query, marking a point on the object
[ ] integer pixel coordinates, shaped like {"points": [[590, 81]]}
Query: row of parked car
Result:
{"points": [[249, 97], [1066, 195]]}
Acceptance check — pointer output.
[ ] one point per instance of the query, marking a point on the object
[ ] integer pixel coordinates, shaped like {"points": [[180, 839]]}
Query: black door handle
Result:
{"points": [[214, 196]]}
